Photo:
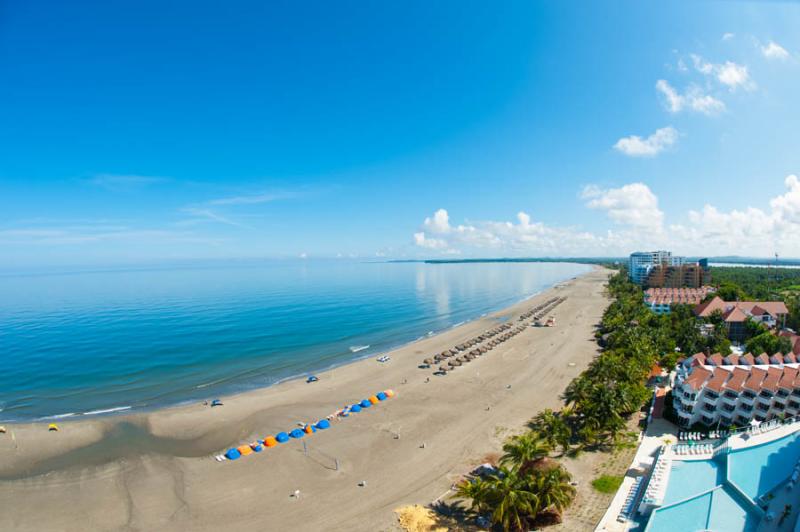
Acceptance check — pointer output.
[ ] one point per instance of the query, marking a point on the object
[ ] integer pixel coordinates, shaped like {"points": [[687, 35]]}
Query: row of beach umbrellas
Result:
{"points": [[470, 350], [234, 453]]}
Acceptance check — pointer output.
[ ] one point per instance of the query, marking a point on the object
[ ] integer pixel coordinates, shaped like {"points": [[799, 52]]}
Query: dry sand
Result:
{"points": [[154, 471]]}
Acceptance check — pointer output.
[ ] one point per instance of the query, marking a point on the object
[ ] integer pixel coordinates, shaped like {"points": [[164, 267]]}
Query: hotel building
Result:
{"points": [[733, 390]]}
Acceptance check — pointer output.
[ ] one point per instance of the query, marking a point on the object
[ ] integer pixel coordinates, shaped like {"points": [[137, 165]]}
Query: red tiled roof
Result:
{"points": [[788, 377], [754, 380], [736, 383], [762, 359], [732, 360], [772, 379], [777, 358], [735, 315], [773, 308], [789, 358], [714, 360], [718, 379], [747, 359], [698, 359], [698, 376]]}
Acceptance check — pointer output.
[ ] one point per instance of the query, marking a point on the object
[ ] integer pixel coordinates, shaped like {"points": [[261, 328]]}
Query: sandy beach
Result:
{"points": [[155, 470]]}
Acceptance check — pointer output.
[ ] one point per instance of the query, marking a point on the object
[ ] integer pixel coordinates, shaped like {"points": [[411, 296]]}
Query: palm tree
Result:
{"points": [[553, 489], [552, 427], [506, 494], [523, 449]]}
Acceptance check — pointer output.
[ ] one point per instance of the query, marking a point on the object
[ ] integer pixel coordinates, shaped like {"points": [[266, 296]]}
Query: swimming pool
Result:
{"points": [[715, 509], [688, 478], [758, 470]]}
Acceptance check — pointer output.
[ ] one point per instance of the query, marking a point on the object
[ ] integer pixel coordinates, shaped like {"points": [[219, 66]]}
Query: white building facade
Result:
{"points": [[718, 391]]}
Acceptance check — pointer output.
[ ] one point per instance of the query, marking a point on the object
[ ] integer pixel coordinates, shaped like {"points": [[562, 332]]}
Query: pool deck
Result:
{"points": [[659, 443], [658, 433]]}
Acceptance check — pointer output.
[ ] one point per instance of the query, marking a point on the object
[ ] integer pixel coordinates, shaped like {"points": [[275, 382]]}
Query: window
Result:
{"points": [[794, 404], [730, 395], [708, 408], [783, 393], [711, 394], [765, 393], [728, 408], [746, 408], [748, 394], [763, 407], [708, 420]]}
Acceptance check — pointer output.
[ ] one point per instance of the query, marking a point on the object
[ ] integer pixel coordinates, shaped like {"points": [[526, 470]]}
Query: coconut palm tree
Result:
{"points": [[553, 489], [553, 428], [523, 449], [506, 495]]}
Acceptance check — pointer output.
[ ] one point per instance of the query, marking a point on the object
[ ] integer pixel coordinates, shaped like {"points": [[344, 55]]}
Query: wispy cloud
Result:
{"points": [[251, 199], [124, 183], [200, 215], [728, 36], [773, 50], [694, 99], [636, 146]]}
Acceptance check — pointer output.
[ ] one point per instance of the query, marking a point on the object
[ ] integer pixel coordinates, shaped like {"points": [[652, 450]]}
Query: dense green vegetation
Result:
{"points": [[607, 483]]}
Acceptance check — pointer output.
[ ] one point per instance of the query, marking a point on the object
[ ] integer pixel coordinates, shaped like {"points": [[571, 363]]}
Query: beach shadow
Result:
{"points": [[453, 516]]}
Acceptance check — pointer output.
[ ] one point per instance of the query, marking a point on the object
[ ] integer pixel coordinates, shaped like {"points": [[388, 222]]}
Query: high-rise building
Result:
{"points": [[641, 262]]}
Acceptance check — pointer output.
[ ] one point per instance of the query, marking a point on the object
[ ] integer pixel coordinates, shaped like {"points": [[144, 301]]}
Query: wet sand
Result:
{"points": [[155, 470]]}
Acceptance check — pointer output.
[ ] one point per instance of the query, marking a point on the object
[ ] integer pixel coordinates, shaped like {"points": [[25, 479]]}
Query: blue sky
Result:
{"points": [[143, 132]]}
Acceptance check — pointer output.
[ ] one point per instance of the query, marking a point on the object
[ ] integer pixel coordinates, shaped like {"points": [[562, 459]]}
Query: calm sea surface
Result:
{"points": [[86, 343]]}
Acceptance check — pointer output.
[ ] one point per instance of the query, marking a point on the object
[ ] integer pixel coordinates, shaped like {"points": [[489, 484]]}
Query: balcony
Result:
{"points": [[746, 408], [762, 407], [747, 398], [730, 397], [728, 408]]}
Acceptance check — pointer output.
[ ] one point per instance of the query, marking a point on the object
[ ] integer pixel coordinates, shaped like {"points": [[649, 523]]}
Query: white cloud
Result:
{"points": [[750, 230], [728, 36], [773, 50], [636, 146], [730, 74], [439, 223], [734, 75], [633, 205], [694, 99]]}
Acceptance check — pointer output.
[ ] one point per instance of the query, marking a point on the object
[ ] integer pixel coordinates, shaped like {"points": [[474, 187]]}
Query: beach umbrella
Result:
{"points": [[297, 433], [282, 437], [323, 424], [270, 441], [257, 447], [356, 408], [373, 399], [233, 454], [245, 450], [365, 403], [309, 429], [390, 393], [381, 396]]}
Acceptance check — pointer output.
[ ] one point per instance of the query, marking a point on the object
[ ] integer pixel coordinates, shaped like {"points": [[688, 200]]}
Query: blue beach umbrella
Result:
{"points": [[257, 448], [356, 408], [297, 433], [282, 437], [365, 403], [233, 454], [323, 424], [381, 396]]}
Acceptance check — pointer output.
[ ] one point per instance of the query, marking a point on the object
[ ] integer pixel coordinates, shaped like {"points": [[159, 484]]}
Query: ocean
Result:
{"points": [[96, 342]]}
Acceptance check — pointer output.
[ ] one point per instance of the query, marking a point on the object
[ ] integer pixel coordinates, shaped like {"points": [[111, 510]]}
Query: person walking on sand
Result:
{"points": [[296, 494]]}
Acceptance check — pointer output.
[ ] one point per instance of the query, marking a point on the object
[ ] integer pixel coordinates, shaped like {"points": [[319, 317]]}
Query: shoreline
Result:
{"points": [[156, 470], [247, 387]]}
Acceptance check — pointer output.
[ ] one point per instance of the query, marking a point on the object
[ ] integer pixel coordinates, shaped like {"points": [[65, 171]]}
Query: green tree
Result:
{"points": [[523, 449], [768, 343]]}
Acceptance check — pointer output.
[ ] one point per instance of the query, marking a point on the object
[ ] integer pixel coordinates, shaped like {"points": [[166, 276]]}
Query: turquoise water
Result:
{"points": [[688, 478], [757, 470], [79, 342], [717, 509]]}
